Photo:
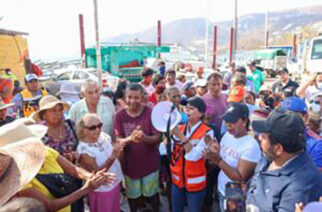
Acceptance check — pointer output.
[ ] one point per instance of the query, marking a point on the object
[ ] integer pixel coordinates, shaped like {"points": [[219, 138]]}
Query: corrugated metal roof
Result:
{"points": [[11, 32]]}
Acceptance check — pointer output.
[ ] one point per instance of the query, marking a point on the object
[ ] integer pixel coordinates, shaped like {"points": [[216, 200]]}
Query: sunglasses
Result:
{"points": [[316, 102], [94, 127]]}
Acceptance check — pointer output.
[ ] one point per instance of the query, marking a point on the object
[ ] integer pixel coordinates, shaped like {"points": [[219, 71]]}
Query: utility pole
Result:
{"points": [[159, 37], [236, 30], [98, 47], [266, 30], [207, 34], [231, 45]]}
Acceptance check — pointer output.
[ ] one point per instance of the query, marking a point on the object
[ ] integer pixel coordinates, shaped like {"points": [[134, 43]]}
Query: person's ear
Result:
{"points": [[278, 149]]}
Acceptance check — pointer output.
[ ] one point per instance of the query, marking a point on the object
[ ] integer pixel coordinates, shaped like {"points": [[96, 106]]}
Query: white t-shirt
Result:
{"points": [[178, 84], [149, 89], [310, 92], [101, 151], [232, 150]]}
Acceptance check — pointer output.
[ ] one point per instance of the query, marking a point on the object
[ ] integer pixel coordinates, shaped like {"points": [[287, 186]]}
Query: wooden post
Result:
{"points": [[214, 57], [231, 46], [82, 39], [294, 46]]}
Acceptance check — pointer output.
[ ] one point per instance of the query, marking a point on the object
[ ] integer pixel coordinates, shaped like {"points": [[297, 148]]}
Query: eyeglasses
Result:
{"points": [[94, 127]]}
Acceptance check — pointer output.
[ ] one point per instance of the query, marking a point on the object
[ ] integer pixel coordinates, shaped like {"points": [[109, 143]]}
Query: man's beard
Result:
{"points": [[270, 154]]}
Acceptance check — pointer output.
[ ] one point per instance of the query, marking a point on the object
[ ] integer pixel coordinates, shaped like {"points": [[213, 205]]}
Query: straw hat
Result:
{"points": [[3, 105], [21, 157], [48, 102], [8, 132]]}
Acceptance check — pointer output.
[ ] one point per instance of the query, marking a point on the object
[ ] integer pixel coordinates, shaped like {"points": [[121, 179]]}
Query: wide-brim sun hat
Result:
{"points": [[22, 160], [21, 129], [46, 103], [21, 156]]}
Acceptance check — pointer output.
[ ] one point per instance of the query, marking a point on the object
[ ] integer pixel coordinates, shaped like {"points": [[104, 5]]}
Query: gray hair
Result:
{"points": [[171, 89], [81, 124], [88, 82]]}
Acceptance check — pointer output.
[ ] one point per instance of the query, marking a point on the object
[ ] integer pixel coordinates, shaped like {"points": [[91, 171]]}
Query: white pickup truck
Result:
{"points": [[314, 56]]}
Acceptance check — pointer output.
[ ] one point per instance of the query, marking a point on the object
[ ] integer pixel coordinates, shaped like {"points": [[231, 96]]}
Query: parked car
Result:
{"points": [[77, 77]]}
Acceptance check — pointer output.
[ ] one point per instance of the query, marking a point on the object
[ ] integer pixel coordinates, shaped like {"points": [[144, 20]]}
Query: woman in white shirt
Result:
{"points": [[238, 153], [96, 152]]}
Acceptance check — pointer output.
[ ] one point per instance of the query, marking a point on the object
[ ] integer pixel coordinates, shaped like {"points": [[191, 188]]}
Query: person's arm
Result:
{"points": [[15, 109], [89, 163], [241, 174], [194, 152], [297, 194], [152, 139], [56, 204], [73, 170], [301, 90], [244, 169]]}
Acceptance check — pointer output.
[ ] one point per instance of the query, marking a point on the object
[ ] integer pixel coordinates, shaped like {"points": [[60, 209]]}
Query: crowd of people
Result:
{"points": [[242, 143]]}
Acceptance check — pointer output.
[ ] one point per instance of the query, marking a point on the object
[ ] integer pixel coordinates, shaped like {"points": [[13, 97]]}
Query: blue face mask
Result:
{"points": [[162, 69]]}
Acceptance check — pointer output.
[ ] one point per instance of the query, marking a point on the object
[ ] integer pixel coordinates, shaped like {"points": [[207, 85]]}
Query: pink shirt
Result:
{"points": [[216, 108]]}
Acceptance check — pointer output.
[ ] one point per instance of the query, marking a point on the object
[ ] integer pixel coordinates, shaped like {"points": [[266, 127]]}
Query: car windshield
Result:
{"points": [[64, 76], [317, 49], [80, 75]]}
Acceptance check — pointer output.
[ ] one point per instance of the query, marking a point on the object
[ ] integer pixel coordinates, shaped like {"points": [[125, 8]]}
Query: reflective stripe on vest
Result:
{"points": [[194, 175], [196, 180], [30, 102]]}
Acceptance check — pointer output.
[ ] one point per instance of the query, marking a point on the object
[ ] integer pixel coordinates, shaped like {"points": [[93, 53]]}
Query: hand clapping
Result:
{"points": [[137, 135], [212, 151]]}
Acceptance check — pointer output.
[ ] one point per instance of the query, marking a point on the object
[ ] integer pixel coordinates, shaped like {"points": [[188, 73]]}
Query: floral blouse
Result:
{"points": [[70, 142]]}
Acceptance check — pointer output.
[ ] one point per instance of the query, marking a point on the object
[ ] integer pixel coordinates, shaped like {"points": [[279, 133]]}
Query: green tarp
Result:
{"points": [[269, 54]]}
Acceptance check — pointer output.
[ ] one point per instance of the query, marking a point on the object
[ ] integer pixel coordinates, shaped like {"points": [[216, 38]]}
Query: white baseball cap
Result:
{"points": [[30, 77], [201, 83]]}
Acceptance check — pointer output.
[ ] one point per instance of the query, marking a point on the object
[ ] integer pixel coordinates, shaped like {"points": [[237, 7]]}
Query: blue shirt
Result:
{"points": [[314, 147], [278, 190]]}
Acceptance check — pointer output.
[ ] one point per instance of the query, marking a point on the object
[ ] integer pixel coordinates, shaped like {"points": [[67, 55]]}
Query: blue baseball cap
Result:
{"points": [[294, 104]]}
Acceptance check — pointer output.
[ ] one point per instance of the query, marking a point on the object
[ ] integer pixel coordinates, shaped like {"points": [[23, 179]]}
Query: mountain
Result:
{"points": [[191, 32]]}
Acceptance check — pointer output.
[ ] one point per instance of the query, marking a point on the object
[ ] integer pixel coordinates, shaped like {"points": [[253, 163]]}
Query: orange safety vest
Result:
{"points": [[29, 102], [189, 174]]}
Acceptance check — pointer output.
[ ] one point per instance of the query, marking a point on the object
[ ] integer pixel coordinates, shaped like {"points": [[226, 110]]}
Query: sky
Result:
{"points": [[54, 29]]}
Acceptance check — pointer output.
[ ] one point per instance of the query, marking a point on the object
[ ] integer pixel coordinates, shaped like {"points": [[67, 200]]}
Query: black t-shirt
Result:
{"points": [[290, 87], [7, 120]]}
